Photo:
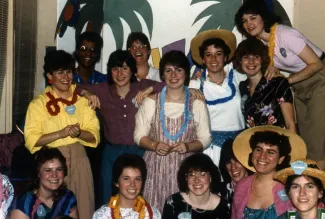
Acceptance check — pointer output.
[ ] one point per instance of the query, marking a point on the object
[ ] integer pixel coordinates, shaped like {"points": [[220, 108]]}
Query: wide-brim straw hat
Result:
{"points": [[225, 35], [300, 167], [242, 147]]}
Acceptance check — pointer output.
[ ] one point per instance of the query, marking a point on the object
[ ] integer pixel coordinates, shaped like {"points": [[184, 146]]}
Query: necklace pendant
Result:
{"points": [[70, 109]]}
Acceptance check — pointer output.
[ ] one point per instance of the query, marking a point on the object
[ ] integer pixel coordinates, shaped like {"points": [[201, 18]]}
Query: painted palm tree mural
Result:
{"points": [[95, 13]]}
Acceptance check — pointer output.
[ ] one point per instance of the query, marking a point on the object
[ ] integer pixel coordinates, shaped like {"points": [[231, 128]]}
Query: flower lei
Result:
{"points": [[185, 114], [139, 206], [224, 99], [54, 102], [272, 43]]}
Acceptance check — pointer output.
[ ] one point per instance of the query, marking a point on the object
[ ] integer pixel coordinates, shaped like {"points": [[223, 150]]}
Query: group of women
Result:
{"points": [[175, 122]]}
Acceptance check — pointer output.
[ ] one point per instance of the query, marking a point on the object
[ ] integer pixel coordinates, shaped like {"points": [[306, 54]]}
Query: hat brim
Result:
{"points": [[242, 147], [225, 35], [283, 175]]}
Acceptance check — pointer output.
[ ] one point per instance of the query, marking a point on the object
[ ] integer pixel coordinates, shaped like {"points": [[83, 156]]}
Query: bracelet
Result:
{"points": [[154, 145], [187, 147]]}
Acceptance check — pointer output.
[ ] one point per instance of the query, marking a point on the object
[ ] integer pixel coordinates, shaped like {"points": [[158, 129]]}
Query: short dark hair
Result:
{"points": [[44, 155], [251, 46], [226, 155], [258, 7], [56, 60], [315, 180], [138, 36], [128, 161], [178, 59], [91, 37], [272, 138], [116, 59], [218, 43], [199, 162]]}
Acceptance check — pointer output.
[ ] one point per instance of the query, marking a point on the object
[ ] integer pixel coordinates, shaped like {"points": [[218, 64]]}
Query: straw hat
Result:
{"points": [[242, 147], [301, 167], [225, 35]]}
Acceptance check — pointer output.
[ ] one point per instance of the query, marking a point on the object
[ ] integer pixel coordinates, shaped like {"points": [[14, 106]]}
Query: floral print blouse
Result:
{"points": [[263, 107]]}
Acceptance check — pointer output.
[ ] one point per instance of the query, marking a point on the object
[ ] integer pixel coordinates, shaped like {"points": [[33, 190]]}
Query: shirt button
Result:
{"points": [[124, 106], [124, 116]]}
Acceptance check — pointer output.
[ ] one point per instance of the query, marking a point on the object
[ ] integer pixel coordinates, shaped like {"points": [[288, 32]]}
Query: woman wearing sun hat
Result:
{"points": [[213, 49], [304, 184], [264, 150]]}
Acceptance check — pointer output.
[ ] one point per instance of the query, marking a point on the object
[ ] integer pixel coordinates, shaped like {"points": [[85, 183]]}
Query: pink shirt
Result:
{"points": [[289, 42], [243, 191]]}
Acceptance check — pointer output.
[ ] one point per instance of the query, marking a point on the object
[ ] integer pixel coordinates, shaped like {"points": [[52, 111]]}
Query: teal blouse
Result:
{"points": [[267, 213]]}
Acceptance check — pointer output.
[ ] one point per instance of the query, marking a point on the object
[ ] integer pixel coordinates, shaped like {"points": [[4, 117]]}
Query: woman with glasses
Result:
{"points": [[170, 125], [139, 47], [199, 183]]}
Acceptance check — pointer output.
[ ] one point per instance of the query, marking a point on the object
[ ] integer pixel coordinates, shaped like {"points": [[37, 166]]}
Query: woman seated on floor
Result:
{"points": [[129, 177], [199, 183], [48, 197]]}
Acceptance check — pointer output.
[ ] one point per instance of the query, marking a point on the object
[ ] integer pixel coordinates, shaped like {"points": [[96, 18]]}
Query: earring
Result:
{"points": [[50, 81]]}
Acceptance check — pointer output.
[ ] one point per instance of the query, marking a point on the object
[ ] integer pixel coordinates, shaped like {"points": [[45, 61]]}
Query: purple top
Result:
{"points": [[117, 115], [242, 193]]}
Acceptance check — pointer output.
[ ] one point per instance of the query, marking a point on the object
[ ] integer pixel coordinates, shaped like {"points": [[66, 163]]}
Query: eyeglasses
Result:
{"points": [[141, 46], [87, 49], [201, 175]]}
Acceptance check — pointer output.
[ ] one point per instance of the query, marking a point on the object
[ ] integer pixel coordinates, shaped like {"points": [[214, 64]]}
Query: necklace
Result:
{"points": [[256, 195], [53, 102], [272, 44], [205, 208], [185, 114], [224, 99], [139, 206], [181, 98]]}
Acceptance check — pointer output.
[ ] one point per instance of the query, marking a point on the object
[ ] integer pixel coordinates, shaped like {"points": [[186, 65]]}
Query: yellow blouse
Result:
{"points": [[40, 122]]}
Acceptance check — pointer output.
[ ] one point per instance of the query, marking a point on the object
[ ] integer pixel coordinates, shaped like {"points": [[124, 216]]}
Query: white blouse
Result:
{"points": [[225, 116], [126, 213], [146, 112]]}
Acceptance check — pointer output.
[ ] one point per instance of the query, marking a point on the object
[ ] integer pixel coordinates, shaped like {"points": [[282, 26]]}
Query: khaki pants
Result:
{"points": [[79, 179], [310, 108]]}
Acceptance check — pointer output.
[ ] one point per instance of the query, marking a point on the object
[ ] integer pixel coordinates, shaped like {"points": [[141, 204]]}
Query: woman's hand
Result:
{"points": [[162, 149], [197, 74], [65, 132], [197, 94], [181, 148], [272, 72], [93, 100], [142, 94], [75, 130]]}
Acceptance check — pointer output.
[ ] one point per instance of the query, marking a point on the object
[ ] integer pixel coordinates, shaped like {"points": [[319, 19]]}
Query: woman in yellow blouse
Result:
{"points": [[60, 118]]}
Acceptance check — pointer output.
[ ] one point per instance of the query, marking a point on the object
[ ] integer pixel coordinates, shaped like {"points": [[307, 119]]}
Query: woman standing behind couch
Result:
{"points": [[60, 118], [170, 125], [291, 51]]}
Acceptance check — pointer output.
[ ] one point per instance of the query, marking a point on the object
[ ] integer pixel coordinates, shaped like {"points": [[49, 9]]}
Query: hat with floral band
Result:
{"points": [[242, 149], [225, 35], [300, 167]]}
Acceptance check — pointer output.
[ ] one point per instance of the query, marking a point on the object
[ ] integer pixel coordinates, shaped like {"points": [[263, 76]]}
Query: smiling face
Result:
{"points": [[139, 52], [198, 182], [214, 59], [129, 184], [251, 65], [265, 158], [304, 194], [253, 24], [121, 75], [236, 170], [61, 80], [174, 76], [51, 175], [87, 54]]}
